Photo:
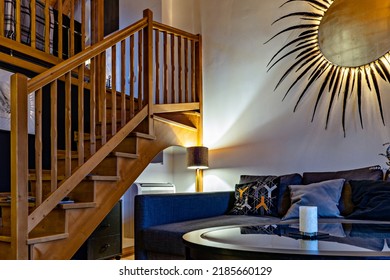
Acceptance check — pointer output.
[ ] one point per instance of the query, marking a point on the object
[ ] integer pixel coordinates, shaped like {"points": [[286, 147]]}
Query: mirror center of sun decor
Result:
{"points": [[340, 54], [355, 33]]}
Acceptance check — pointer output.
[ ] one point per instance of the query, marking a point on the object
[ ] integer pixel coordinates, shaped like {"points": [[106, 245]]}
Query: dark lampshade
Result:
{"points": [[197, 157]]}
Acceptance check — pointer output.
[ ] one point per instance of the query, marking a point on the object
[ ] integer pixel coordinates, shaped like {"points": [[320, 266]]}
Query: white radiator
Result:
{"points": [[128, 202]]}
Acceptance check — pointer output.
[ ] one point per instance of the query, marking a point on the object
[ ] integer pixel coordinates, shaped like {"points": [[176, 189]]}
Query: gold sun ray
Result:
{"points": [[310, 63]]}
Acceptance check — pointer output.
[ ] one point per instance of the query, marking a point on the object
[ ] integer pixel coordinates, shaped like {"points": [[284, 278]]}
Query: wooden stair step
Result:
{"points": [[143, 135], [46, 238], [125, 155], [77, 205], [4, 238]]}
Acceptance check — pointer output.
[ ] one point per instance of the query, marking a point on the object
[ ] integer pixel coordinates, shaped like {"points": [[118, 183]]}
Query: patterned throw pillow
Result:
{"points": [[256, 198]]}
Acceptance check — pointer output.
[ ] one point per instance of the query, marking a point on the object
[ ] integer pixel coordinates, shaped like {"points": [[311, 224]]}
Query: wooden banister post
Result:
{"points": [[199, 96], [148, 66], [19, 166]]}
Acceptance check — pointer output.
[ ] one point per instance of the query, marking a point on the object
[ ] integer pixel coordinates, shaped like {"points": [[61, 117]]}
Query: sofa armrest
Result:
{"points": [[157, 209]]}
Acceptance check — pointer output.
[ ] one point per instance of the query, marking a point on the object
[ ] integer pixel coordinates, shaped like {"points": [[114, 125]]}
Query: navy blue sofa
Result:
{"points": [[162, 219]]}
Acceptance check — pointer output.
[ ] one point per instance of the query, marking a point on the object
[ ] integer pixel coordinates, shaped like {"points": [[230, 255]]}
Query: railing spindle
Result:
{"points": [[71, 35], [187, 98], [18, 17], [92, 104], [68, 125], [33, 22], [80, 139], [38, 147], [60, 33], [47, 26], [157, 66], [165, 61], [180, 69], [54, 134], [113, 90], [140, 69], [2, 18], [173, 93], [123, 83], [193, 71], [132, 77]]}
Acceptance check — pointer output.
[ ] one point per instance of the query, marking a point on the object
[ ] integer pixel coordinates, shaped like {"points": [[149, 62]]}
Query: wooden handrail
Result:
{"points": [[80, 58], [172, 30]]}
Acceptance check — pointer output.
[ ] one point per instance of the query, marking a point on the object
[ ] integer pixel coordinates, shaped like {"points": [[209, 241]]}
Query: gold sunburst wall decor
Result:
{"points": [[341, 50]]}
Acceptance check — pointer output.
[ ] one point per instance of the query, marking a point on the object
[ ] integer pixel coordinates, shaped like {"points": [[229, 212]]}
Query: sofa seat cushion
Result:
{"points": [[167, 238]]}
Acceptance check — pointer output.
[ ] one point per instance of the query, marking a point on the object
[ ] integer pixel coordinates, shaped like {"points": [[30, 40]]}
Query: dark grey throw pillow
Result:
{"points": [[325, 195], [371, 200]]}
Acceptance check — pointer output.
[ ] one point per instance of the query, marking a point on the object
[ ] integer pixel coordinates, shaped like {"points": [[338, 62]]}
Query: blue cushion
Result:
{"points": [[325, 195], [371, 200]]}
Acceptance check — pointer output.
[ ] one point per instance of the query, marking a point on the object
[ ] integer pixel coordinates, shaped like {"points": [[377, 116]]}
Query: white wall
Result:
{"points": [[247, 126]]}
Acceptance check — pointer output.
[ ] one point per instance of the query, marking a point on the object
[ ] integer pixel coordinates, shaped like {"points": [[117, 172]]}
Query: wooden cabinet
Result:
{"points": [[106, 241]]}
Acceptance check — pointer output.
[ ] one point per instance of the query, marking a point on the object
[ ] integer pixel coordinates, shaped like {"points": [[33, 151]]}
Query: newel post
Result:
{"points": [[19, 166], [148, 66]]}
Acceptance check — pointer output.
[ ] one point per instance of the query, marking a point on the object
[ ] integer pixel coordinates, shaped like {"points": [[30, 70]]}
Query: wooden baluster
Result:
{"points": [[123, 83], [17, 19], [83, 25], [68, 125], [103, 95], [157, 63], [198, 71], [71, 35], [54, 134], [80, 144], [47, 26], [113, 90], [186, 70], [173, 94], [165, 61], [60, 35], [92, 105], [148, 66], [132, 77], [140, 69], [38, 147], [33, 23], [180, 67], [2, 18], [193, 71], [19, 167]]}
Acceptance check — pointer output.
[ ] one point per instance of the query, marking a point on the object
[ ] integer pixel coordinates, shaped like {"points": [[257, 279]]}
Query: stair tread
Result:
{"points": [[78, 205], [143, 135], [46, 238], [125, 155], [46, 176]]}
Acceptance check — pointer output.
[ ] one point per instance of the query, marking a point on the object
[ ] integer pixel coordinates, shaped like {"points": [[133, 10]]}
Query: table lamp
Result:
{"points": [[198, 159]]}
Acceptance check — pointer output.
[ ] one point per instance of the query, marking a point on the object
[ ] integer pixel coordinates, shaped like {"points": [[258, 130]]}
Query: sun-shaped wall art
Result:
{"points": [[341, 50]]}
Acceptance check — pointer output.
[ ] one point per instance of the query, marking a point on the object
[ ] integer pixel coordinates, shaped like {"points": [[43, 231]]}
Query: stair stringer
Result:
{"points": [[82, 222]]}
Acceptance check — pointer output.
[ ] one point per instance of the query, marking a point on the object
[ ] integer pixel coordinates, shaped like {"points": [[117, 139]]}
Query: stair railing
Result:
{"points": [[122, 80]]}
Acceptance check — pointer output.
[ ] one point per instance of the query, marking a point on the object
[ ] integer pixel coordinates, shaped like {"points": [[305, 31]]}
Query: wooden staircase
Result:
{"points": [[126, 133]]}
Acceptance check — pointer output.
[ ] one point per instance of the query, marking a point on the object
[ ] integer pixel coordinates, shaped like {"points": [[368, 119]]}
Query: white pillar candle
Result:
{"points": [[308, 223]]}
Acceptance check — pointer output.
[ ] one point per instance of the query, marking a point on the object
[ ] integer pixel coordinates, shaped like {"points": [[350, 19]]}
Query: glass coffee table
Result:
{"points": [[355, 240]]}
